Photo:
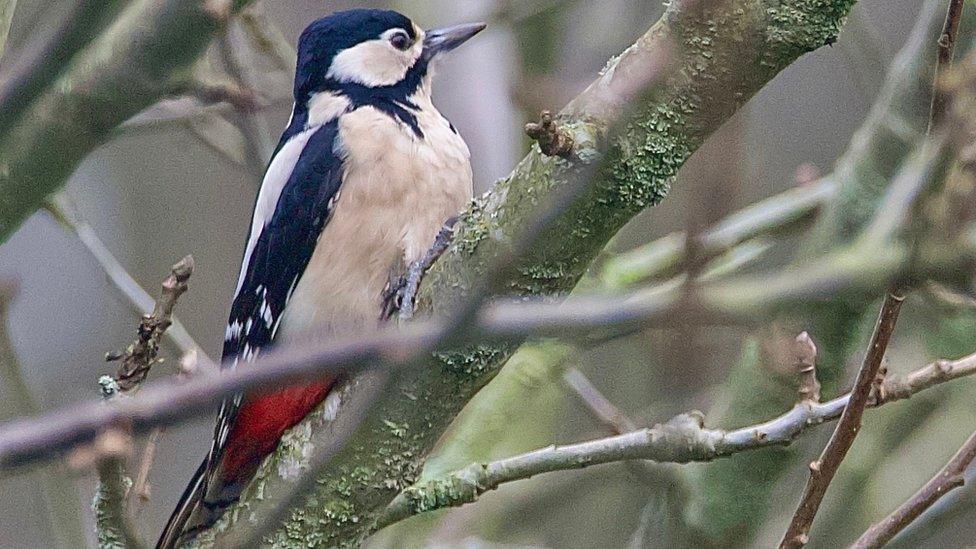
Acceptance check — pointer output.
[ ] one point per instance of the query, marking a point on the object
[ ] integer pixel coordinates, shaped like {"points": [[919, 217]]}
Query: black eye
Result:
{"points": [[400, 41]]}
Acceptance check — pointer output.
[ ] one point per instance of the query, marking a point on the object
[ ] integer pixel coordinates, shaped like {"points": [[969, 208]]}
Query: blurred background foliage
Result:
{"points": [[162, 190]]}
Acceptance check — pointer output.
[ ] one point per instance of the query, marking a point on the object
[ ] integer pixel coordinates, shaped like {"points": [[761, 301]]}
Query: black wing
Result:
{"points": [[275, 265], [282, 252]]}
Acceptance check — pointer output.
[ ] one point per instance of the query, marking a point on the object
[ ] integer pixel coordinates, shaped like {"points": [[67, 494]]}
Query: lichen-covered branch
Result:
{"points": [[724, 53], [131, 66], [115, 528], [683, 439]]}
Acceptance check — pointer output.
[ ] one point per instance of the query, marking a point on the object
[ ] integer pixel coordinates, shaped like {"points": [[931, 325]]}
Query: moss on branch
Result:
{"points": [[726, 52]]}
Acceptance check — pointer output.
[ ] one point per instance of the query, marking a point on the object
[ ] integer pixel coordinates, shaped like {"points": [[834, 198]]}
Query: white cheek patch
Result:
{"points": [[374, 63]]}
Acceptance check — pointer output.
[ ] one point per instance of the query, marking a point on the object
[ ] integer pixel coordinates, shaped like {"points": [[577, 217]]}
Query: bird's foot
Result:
{"points": [[401, 291]]}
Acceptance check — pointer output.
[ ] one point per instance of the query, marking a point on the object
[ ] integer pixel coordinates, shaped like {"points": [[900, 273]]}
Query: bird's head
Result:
{"points": [[365, 50]]}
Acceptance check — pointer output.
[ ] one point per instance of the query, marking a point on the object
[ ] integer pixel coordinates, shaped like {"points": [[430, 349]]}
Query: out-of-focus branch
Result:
{"points": [[108, 455], [683, 439], [7, 8], [256, 134], [773, 215], [61, 497], [952, 476], [599, 405], [268, 38], [130, 66], [850, 272], [822, 470], [134, 294], [42, 64]]}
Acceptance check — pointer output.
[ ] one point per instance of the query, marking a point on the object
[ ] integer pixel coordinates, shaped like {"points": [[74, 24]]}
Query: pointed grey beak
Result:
{"points": [[444, 40]]}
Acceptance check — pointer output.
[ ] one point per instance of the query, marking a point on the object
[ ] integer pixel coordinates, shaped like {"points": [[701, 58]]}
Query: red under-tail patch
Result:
{"points": [[260, 423]]}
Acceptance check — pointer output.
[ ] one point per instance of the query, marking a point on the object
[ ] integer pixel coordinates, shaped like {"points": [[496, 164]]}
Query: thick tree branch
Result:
{"points": [[683, 439], [131, 66]]}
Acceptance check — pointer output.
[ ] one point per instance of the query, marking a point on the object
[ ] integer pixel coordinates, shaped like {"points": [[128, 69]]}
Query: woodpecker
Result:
{"points": [[363, 178]]}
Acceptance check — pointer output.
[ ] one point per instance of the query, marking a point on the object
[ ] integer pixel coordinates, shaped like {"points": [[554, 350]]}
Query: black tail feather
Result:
{"points": [[189, 501]]}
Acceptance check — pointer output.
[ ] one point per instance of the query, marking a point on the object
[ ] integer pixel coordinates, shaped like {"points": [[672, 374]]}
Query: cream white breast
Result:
{"points": [[397, 192]]}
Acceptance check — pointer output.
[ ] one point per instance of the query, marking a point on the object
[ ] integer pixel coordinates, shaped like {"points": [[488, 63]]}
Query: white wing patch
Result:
{"points": [[279, 171]]}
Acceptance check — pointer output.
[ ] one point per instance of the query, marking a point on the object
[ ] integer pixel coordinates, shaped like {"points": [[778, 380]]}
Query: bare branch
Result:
{"points": [[951, 476], [139, 358], [135, 296], [683, 439], [822, 470], [947, 46], [138, 495]]}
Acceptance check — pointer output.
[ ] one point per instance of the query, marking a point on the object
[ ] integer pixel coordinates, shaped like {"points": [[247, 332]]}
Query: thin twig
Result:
{"points": [[805, 353], [947, 45], [598, 405], [135, 296], [138, 495], [681, 440], [141, 355], [951, 476], [822, 470]]}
